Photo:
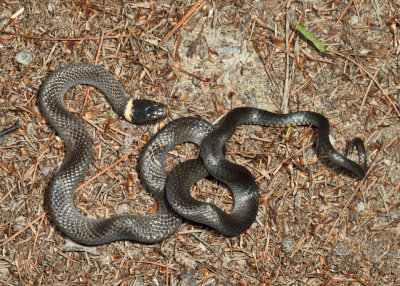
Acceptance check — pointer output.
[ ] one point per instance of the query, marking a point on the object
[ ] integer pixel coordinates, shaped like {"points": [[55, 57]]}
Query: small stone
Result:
{"points": [[123, 209], [341, 249], [287, 244], [187, 261], [47, 170], [128, 141], [394, 213], [31, 129], [365, 51], [360, 207], [249, 98], [188, 279], [354, 20], [71, 246], [24, 57], [51, 7], [5, 272], [20, 223], [135, 252], [136, 282]]}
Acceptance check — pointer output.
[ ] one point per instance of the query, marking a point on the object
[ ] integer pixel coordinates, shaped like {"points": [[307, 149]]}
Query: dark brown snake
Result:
{"points": [[157, 227]]}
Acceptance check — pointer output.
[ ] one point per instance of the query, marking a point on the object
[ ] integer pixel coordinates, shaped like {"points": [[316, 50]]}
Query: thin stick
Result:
{"points": [[38, 271], [37, 233], [61, 39], [343, 13], [105, 170], [39, 157], [152, 263], [373, 78], [6, 195], [22, 230], [187, 15], [286, 88], [167, 274], [283, 161], [396, 189], [366, 93]]}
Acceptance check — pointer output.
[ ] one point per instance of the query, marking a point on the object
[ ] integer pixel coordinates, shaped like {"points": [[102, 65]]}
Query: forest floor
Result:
{"points": [[316, 225]]}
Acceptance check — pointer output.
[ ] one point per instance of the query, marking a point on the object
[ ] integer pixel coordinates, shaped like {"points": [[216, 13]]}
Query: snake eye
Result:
{"points": [[145, 111]]}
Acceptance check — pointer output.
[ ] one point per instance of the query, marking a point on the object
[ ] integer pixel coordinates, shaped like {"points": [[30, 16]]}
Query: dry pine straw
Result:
{"points": [[316, 225]]}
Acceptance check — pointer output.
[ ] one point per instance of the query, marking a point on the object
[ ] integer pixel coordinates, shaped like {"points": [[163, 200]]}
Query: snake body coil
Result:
{"points": [[238, 178], [154, 228], [59, 196]]}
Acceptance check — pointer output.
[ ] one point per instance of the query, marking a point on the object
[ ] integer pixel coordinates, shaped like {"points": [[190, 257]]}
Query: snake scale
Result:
{"points": [[176, 200]]}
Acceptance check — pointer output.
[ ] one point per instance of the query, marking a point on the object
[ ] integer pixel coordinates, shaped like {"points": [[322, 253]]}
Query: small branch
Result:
{"points": [[61, 39], [187, 15], [371, 77], [9, 130], [23, 229]]}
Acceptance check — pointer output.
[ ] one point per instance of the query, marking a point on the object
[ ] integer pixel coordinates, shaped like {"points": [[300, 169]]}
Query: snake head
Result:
{"points": [[144, 111]]}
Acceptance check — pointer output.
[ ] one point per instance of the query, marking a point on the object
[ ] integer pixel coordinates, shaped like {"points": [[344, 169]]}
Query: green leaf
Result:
{"points": [[311, 38]]}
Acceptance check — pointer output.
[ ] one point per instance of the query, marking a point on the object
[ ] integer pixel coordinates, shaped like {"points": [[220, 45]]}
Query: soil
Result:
{"points": [[317, 224]]}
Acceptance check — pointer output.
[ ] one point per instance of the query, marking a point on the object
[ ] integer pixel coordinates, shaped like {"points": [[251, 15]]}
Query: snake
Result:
{"points": [[236, 177], [171, 191], [59, 194]]}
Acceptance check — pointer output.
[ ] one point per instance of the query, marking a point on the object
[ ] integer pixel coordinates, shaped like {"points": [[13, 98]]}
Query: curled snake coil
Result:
{"points": [[176, 200]]}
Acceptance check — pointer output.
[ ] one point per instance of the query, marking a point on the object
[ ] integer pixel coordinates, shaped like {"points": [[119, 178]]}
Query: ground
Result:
{"points": [[317, 224]]}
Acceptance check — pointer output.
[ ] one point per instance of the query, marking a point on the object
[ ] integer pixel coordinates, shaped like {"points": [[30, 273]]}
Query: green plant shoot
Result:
{"points": [[311, 38]]}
